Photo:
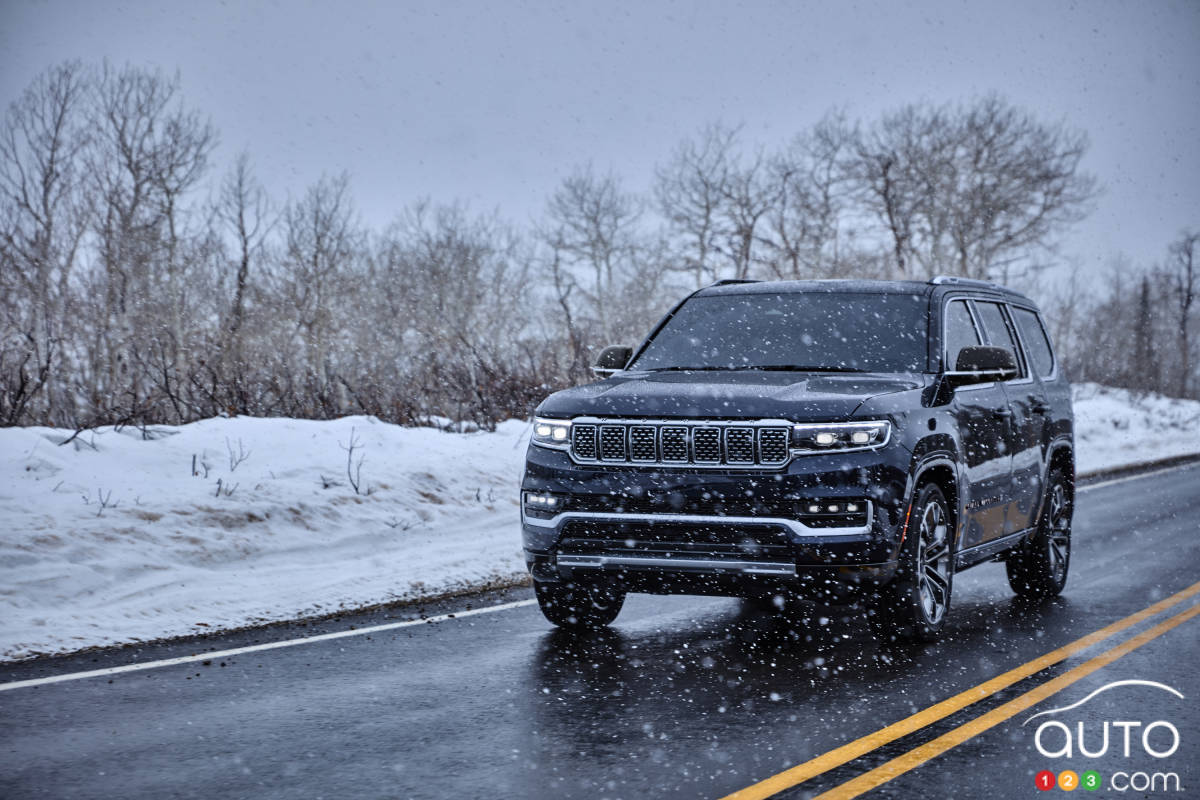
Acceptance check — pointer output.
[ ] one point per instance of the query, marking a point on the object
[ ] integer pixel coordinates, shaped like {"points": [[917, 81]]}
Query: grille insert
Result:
{"points": [[612, 442], [706, 445], [773, 445], [674, 444], [641, 443], [739, 445], [583, 441], [734, 445]]}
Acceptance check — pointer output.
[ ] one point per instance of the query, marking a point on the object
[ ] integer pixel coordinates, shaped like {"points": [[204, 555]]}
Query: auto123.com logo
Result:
{"points": [[1141, 746]]}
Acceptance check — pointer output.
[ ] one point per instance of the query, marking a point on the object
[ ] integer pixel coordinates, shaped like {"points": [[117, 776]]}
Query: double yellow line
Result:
{"points": [[922, 719]]}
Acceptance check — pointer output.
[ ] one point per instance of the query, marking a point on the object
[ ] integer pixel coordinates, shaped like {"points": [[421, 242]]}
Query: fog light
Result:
{"points": [[541, 505], [830, 513]]}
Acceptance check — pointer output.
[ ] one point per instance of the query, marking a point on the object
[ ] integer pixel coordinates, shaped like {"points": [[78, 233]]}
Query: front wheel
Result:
{"points": [[1039, 567], [914, 605], [578, 605]]}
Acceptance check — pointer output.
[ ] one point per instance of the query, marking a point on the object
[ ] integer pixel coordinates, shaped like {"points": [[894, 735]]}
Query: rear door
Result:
{"points": [[980, 412], [1032, 402]]}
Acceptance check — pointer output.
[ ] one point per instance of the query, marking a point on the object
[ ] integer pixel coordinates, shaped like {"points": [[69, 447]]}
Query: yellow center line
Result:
{"points": [[919, 755], [859, 747]]}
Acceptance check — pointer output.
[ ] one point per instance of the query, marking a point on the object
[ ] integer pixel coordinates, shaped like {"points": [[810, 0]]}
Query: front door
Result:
{"points": [[983, 416], [1026, 401]]}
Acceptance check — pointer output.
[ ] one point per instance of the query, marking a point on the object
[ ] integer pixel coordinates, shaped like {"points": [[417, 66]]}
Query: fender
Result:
{"points": [[939, 458], [1061, 442]]}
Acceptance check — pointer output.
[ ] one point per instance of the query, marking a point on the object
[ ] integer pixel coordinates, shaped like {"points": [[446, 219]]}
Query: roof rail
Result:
{"points": [[731, 281], [942, 280]]}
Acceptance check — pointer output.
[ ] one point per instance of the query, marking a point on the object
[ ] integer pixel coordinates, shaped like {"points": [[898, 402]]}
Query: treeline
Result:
{"points": [[142, 283]]}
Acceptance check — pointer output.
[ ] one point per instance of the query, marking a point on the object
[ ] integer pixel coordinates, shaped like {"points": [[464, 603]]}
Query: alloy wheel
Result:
{"points": [[933, 562], [1058, 540]]}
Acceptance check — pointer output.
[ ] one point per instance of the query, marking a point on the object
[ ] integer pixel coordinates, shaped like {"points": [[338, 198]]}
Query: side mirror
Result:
{"points": [[611, 360], [982, 364]]}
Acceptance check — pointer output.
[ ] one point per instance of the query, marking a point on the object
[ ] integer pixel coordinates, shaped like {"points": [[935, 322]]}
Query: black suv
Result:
{"points": [[850, 442]]}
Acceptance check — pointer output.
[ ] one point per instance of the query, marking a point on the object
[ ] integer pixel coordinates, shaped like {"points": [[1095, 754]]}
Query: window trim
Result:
{"points": [[945, 344], [1010, 324], [1053, 374]]}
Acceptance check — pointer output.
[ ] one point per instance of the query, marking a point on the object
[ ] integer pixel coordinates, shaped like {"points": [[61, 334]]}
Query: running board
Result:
{"points": [[982, 552], [676, 564]]}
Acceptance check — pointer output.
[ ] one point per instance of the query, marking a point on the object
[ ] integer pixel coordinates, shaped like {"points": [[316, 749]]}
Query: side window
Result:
{"points": [[992, 318], [960, 331], [1037, 343]]}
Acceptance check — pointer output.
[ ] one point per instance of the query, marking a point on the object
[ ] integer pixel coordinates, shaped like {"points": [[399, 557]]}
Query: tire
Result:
{"points": [[915, 604], [1038, 568], [578, 605]]}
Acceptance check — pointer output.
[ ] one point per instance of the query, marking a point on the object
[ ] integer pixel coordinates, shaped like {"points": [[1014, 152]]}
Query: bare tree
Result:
{"points": [[244, 208], [1181, 278], [971, 189], [42, 224], [748, 193], [691, 190], [803, 238], [594, 219], [322, 242], [146, 153], [592, 225]]}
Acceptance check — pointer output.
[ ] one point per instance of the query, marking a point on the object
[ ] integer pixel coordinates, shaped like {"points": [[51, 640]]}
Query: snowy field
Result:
{"points": [[117, 538]]}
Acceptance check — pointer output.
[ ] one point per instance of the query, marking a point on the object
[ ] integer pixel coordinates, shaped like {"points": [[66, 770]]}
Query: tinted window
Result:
{"points": [[819, 330], [960, 332], [992, 319], [1036, 342]]}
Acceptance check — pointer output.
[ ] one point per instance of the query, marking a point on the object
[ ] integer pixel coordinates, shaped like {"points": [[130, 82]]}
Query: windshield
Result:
{"points": [[819, 331]]}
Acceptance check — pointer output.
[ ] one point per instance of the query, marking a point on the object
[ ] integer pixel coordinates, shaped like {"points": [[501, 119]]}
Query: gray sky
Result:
{"points": [[494, 103]]}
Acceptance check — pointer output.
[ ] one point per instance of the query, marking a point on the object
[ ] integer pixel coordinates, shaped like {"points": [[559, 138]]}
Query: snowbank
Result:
{"points": [[1114, 427], [286, 536], [112, 538]]}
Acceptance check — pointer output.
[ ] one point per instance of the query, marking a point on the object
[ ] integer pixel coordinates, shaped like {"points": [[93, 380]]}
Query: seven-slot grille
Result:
{"points": [[703, 444]]}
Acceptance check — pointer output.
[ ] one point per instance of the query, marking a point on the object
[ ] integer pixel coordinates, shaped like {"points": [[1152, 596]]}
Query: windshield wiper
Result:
{"points": [[762, 367], [798, 368]]}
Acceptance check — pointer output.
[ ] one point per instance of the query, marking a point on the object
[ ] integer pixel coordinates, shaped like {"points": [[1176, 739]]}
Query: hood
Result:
{"points": [[795, 396]]}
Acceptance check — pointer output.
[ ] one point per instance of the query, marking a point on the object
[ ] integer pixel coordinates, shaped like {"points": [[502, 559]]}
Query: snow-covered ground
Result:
{"points": [[114, 538], [1115, 427]]}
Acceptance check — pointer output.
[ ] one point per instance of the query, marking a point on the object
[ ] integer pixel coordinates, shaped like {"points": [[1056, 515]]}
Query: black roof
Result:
{"points": [[857, 286]]}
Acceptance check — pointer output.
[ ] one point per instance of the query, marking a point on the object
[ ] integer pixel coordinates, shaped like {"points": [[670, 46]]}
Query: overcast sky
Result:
{"points": [[494, 103]]}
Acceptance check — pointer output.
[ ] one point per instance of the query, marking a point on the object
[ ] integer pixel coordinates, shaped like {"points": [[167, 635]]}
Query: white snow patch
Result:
{"points": [[1115, 427], [171, 556]]}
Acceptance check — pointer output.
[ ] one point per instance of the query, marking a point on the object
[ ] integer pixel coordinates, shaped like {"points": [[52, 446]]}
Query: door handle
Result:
{"points": [[1040, 408], [1002, 413]]}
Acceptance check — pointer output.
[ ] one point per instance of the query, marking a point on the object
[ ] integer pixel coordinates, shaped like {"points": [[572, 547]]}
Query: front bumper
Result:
{"points": [[715, 532]]}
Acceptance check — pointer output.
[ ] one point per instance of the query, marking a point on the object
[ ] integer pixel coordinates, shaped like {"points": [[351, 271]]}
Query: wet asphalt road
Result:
{"points": [[684, 697]]}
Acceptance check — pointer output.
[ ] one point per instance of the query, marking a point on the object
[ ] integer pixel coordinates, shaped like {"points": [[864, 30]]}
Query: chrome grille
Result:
{"points": [[711, 444]]}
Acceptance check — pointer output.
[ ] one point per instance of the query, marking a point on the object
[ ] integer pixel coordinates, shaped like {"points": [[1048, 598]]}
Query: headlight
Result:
{"points": [[820, 437], [552, 432]]}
